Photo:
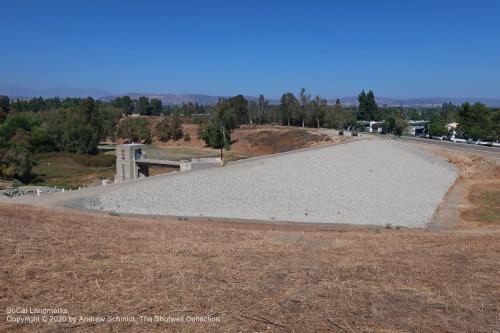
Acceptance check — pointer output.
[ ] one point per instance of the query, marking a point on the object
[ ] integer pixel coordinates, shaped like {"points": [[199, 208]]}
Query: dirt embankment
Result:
{"points": [[259, 140], [474, 200], [264, 140]]}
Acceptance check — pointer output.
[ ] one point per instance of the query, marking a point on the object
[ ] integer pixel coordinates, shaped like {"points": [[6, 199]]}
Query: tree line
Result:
{"points": [[475, 121], [139, 129], [143, 105], [154, 107], [77, 125]]}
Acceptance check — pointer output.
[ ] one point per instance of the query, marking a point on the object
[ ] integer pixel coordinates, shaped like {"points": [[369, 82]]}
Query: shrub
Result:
{"points": [[176, 129], [187, 137], [167, 129], [15, 162], [163, 132]]}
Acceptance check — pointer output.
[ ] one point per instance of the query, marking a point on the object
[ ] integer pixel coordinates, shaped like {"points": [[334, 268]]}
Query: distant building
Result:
{"points": [[416, 127], [371, 126], [452, 127]]}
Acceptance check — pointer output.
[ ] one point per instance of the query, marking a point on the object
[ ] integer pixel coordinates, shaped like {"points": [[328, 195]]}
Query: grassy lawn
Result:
{"points": [[71, 170]]}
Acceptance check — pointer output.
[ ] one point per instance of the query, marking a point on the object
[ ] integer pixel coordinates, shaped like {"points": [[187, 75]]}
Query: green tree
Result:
{"points": [[288, 106], [338, 117], [389, 124], [109, 117], [54, 122], [41, 140], [372, 106], [15, 162], [135, 130], [52, 103], [475, 121], [156, 107], [15, 121], [176, 129], [400, 125], [362, 106], [143, 106], [217, 132], [318, 107], [495, 128], [449, 112], [4, 108], [262, 105], [37, 104], [239, 106], [414, 115], [437, 125], [368, 108], [163, 132], [305, 105], [82, 128]]}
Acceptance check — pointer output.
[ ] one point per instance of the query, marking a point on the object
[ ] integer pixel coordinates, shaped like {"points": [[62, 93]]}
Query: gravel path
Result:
{"points": [[363, 182]]}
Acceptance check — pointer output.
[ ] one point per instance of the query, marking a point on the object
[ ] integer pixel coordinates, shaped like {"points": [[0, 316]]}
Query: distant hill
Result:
{"points": [[175, 99], [172, 99]]}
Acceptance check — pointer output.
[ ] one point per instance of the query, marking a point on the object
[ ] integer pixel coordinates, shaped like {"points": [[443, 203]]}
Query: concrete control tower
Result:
{"points": [[126, 166]]}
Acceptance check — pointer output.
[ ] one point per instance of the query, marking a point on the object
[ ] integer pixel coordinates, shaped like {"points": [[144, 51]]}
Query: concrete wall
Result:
{"points": [[206, 160]]}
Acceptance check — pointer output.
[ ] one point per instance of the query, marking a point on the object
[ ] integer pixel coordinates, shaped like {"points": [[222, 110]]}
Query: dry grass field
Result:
{"points": [[258, 277], [253, 276], [71, 170]]}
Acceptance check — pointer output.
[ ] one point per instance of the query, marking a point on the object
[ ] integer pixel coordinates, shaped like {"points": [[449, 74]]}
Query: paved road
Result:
{"points": [[490, 151]]}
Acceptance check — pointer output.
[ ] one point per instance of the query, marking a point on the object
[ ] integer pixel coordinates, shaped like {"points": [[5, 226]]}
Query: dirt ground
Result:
{"points": [[473, 201], [257, 140], [256, 277]]}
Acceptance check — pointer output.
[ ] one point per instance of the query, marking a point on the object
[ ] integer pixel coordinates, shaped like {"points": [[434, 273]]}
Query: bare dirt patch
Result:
{"points": [[250, 141], [272, 141], [254, 276], [473, 200], [264, 140]]}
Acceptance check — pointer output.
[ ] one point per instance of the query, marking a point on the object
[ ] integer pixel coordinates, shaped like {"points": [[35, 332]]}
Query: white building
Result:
{"points": [[416, 127], [372, 126]]}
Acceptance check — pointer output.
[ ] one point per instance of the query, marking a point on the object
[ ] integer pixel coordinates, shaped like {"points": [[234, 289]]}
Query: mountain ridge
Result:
{"points": [[176, 99]]}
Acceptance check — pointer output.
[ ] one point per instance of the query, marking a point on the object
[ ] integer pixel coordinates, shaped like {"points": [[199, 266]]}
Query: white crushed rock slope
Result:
{"points": [[363, 182]]}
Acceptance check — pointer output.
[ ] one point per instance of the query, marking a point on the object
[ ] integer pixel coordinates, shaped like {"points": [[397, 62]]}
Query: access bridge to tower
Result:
{"points": [[133, 163]]}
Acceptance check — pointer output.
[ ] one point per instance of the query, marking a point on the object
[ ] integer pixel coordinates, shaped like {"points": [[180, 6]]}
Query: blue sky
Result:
{"points": [[333, 48]]}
